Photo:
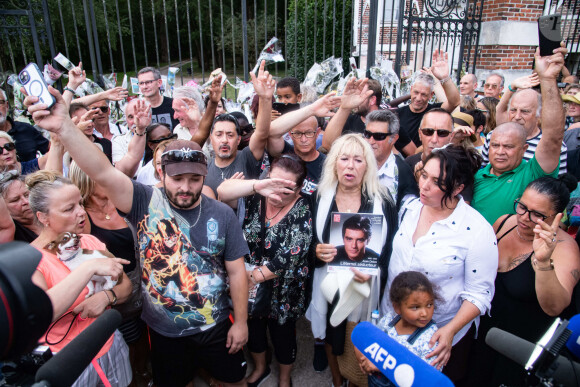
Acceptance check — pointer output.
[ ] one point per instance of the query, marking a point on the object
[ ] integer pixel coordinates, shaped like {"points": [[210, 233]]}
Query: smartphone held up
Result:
{"points": [[33, 82]]}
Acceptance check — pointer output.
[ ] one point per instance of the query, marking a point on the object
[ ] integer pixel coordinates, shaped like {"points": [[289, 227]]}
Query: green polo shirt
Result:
{"points": [[493, 196]]}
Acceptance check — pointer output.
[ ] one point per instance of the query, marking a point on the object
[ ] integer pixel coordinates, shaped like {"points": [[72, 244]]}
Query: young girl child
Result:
{"points": [[413, 299]]}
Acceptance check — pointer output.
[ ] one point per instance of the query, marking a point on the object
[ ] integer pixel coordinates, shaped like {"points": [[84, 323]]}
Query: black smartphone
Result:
{"points": [[549, 33], [33, 82], [284, 108]]}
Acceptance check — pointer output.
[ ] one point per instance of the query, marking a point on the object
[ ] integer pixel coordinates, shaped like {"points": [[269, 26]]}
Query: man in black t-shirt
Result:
{"points": [[422, 91], [150, 83]]}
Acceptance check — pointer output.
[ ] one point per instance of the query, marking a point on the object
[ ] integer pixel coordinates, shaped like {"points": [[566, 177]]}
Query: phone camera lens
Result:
{"points": [[24, 77]]}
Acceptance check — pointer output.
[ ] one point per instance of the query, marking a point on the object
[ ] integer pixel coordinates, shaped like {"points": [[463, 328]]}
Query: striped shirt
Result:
{"points": [[532, 145]]}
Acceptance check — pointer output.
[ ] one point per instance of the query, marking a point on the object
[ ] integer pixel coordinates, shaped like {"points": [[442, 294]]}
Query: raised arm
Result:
{"points": [[440, 70], [215, 94], [553, 116], [355, 93], [76, 76], [114, 94], [130, 162], [89, 158], [6, 223], [233, 189], [264, 87], [525, 82], [53, 160], [322, 107]]}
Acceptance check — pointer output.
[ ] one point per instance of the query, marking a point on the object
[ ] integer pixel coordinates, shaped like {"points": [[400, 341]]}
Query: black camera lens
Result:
{"points": [[24, 77]]}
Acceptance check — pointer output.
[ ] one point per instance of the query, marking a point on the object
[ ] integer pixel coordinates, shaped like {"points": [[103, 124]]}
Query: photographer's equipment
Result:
{"points": [[67, 365], [25, 309]]}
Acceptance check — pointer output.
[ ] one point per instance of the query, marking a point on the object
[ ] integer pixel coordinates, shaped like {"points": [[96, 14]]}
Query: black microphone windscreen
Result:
{"points": [[67, 365], [511, 346]]}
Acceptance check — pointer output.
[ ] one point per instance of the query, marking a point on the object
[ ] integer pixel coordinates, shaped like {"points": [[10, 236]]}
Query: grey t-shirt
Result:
{"points": [[244, 162], [182, 258]]}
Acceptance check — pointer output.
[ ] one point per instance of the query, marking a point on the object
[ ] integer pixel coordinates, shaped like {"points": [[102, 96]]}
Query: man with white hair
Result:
{"points": [[27, 138], [493, 85], [150, 83], [422, 91], [188, 108], [467, 85]]}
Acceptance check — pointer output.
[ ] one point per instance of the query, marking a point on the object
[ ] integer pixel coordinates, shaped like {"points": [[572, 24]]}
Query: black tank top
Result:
{"points": [[119, 243]]}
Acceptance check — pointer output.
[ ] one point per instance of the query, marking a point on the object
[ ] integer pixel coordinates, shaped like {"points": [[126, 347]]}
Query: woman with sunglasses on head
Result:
{"points": [[9, 160], [441, 236], [278, 229], [539, 265]]}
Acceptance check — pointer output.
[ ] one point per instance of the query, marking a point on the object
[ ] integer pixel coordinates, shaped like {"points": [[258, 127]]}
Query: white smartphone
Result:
{"points": [[33, 82]]}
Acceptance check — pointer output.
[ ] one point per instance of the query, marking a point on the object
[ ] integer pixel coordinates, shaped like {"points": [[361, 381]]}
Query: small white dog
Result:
{"points": [[66, 246]]}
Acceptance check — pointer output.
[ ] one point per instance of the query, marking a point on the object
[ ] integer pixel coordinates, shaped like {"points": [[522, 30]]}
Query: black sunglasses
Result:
{"points": [[178, 156], [377, 136], [9, 146], [103, 109], [440, 132], [159, 140]]}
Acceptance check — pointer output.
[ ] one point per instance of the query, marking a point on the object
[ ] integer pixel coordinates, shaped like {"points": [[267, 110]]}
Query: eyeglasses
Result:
{"points": [[534, 216], [247, 129], [147, 83], [377, 136], [179, 156], [440, 132], [161, 139], [9, 146], [490, 86], [308, 134], [104, 109]]}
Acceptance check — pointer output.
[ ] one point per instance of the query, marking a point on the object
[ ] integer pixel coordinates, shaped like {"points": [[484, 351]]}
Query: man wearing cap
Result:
{"points": [[188, 245]]}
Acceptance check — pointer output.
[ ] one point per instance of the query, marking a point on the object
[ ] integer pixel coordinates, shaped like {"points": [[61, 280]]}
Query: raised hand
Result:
{"points": [[264, 85], [549, 67], [142, 115], [355, 93], [85, 120], [526, 82], [460, 133], [215, 89], [440, 65], [323, 107], [51, 120], [545, 239], [274, 187], [76, 76], [116, 94]]}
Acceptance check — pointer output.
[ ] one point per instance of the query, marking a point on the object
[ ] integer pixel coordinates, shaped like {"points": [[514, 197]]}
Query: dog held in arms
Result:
{"points": [[67, 248]]}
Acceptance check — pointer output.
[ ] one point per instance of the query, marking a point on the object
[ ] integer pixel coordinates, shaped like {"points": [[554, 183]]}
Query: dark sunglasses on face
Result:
{"points": [[9, 146], [103, 109], [377, 136], [178, 156], [160, 140], [534, 216], [440, 132], [246, 129]]}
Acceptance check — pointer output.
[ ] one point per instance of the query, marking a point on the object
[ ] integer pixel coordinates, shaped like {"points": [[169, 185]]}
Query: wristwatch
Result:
{"points": [[114, 302]]}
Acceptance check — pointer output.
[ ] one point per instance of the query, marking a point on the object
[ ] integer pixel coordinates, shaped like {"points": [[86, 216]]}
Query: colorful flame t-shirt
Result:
{"points": [[182, 257]]}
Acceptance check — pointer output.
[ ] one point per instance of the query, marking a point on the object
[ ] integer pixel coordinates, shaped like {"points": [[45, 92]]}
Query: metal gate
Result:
{"points": [[449, 25]]}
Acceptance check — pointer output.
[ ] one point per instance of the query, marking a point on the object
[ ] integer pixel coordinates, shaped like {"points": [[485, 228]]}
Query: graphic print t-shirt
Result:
{"points": [[183, 261], [164, 113]]}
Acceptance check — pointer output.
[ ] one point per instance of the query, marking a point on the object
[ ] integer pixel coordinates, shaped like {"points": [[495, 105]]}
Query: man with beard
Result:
{"points": [[27, 138], [212, 247], [225, 137]]}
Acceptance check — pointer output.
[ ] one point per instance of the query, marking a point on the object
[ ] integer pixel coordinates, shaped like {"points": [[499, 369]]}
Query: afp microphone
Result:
{"points": [[573, 342], [520, 350], [396, 362], [68, 364]]}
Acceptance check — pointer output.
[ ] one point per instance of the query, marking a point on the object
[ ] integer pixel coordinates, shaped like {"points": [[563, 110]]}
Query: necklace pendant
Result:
{"points": [[267, 223], [107, 216]]}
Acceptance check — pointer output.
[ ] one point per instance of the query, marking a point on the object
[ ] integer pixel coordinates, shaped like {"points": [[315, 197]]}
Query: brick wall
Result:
{"points": [[516, 10], [505, 57]]}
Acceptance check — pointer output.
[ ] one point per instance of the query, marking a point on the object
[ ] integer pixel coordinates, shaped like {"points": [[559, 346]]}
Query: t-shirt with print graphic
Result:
{"points": [[182, 257], [164, 113], [313, 170]]}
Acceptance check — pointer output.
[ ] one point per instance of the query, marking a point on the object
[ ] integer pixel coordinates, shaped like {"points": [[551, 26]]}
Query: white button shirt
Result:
{"points": [[458, 254]]}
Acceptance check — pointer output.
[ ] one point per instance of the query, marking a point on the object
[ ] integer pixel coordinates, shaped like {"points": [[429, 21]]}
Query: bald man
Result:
{"points": [[467, 85]]}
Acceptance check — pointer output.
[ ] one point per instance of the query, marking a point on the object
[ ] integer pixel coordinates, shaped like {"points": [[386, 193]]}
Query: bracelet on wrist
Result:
{"points": [[445, 79], [254, 187], [510, 88], [548, 268], [69, 89], [108, 298], [140, 135], [261, 272], [114, 302]]}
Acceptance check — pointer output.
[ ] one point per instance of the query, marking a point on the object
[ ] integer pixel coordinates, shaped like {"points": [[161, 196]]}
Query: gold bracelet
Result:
{"points": [[550, 268]]}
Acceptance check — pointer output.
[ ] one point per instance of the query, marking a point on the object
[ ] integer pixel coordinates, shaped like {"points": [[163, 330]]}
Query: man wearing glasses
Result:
{"points": [[27, 138], [493, 85], [104, 128], [505, 177], [185, 301], [150, 83]]}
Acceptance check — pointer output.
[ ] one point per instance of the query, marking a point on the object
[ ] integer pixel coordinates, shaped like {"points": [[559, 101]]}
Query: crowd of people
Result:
{"points": [[223, 225]]}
